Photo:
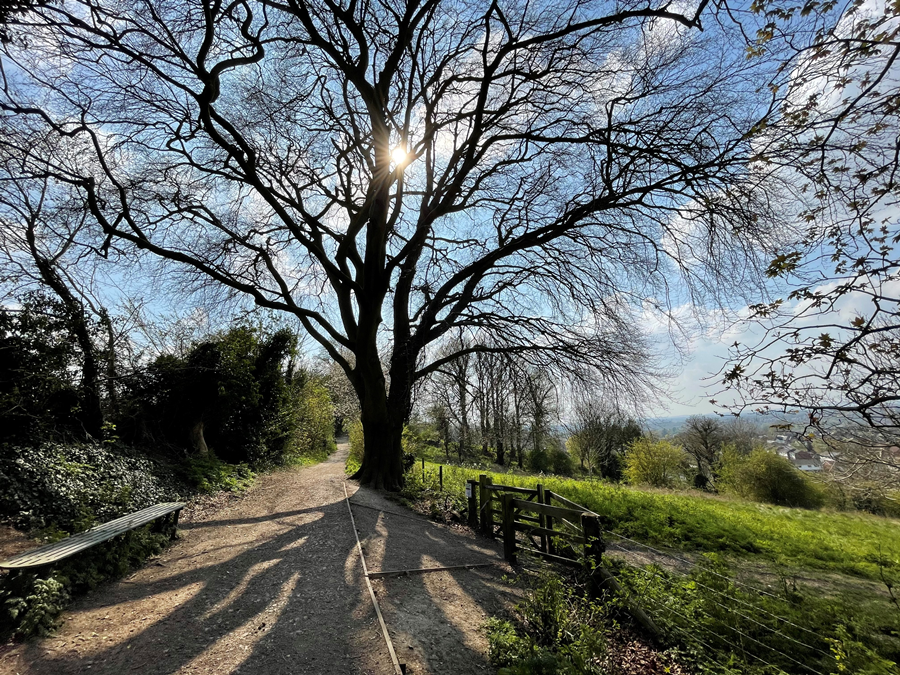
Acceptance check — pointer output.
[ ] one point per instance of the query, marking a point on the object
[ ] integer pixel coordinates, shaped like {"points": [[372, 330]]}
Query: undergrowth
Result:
{"points": [[55, 490], [31, 602], [210, 475], [707, 625], [827, 625]]}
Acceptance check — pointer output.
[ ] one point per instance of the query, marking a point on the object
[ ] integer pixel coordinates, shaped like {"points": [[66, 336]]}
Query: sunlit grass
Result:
{"points": [[851, 543]]}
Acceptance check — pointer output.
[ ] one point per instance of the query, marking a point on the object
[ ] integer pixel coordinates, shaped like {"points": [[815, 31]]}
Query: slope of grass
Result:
{"points": [[850, 543]]}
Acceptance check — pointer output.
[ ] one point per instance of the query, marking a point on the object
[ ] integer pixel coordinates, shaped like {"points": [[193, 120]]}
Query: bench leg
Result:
{"points": [[167, 523]]}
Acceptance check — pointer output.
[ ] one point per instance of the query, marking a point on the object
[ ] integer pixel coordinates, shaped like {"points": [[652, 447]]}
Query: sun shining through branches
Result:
{"points": [[534, 176]]}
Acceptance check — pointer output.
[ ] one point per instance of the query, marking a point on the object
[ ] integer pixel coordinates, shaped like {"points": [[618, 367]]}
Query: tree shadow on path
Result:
{"points": [[435, 618], [273, 585], [269, 593]]}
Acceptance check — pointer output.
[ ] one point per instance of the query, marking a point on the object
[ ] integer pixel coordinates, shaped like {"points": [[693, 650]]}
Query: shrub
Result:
{"points": [[210, 475], [551, 459], [357, 445], [537, 461], [560, 462], [30, 603], [69, 486], [558, 631], [764, 476], [654, 462]]}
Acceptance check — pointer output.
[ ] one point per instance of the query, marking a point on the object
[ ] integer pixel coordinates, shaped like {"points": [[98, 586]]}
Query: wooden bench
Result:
{"points": [[60, 550]]}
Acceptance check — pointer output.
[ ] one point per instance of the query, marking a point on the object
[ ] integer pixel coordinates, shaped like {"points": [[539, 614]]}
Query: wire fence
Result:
{"points": [[731, 628]]}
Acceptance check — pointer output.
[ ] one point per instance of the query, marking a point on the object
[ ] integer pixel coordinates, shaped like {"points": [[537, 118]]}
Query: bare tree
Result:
{"points": [[599, 434], [391, 173], [542, 405], [701, 437]]}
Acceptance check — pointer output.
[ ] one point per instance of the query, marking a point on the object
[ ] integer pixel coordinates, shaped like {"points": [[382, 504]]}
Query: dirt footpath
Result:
{"points": [[272, 584]]}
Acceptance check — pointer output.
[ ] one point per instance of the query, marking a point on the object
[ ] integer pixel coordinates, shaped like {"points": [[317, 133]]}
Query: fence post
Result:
{"points": [[602, 579], [423, 471], [485, 503], [593, 544], [472, 496], [441, 476], [509, 528], [542, 518], [548, 520]]}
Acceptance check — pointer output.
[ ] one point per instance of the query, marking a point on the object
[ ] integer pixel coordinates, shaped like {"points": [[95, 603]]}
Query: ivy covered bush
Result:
{"points": [[70, 486]]}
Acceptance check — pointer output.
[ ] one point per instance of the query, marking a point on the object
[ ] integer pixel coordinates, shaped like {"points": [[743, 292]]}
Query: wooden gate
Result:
{"points": [[535, 520], [562, 532]]}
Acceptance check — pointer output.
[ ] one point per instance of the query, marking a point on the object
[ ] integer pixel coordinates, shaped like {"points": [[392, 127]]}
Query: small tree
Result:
{"points": [[654, 462], [764, 476]]}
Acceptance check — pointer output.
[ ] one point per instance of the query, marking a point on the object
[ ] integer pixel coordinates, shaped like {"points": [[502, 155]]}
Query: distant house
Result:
{"points": [[806, 461]]}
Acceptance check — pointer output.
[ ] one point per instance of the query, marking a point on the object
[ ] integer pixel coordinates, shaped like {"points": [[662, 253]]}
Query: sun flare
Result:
{"points": [[398, 154]]}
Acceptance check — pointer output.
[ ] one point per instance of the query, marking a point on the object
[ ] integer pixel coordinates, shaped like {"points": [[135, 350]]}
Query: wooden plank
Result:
{"points": [[472, 489], [548, 522], [508, 488], [509, 531], [569, 503], [426, 570], [544, 532], [555, 511], [399, 668], [552, 557], [485, 504], [529, 519], [542, 518], [60, 550]]}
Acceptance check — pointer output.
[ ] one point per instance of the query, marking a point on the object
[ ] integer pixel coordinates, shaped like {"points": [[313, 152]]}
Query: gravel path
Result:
{"points": [[272, 584]]}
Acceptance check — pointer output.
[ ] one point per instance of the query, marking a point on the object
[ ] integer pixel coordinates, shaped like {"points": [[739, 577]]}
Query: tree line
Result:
{"points": [[240, 395]]}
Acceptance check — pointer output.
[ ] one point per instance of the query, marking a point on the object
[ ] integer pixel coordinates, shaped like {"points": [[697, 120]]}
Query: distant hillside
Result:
{"points": [[666, 426]]}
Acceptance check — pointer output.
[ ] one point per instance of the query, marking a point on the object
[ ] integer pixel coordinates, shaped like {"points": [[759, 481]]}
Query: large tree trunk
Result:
{"points": [[382, 465], [383, 416]]}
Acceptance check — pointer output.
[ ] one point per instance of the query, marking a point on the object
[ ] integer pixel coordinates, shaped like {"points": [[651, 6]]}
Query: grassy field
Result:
{"points": [[857, 544], [814, 597]]}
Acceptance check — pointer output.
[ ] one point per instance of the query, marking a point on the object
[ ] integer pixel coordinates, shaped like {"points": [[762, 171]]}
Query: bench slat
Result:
{"points": [[65, 548]]}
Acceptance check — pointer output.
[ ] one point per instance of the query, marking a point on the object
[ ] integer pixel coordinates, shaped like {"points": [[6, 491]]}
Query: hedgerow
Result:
{"points": [[69, 486]]}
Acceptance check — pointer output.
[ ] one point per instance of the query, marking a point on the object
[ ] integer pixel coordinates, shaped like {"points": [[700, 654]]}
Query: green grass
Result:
{"points": [[857, 544]]}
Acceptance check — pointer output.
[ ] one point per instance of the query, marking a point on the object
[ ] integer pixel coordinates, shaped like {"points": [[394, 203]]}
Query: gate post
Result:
{"points": [[485, 503], [509, 528], [472, 496], [593, 543], [542, 519], [548, 520]]}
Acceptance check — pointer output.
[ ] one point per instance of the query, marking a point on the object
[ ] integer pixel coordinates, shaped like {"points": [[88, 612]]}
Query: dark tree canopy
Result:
{"points": [[394, 173]]}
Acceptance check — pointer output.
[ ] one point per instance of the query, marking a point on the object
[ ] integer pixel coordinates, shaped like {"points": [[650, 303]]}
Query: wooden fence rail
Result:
{"points": [[564, 532]]}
